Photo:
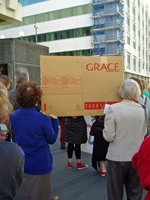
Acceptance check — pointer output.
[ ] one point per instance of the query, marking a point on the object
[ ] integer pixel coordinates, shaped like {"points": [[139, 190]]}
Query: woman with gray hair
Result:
{"points": [[21, 75], [124, 128]]}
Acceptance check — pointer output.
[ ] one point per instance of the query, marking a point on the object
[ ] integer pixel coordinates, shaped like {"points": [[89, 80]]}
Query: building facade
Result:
{"points": [[89, 27], [10, 12]]}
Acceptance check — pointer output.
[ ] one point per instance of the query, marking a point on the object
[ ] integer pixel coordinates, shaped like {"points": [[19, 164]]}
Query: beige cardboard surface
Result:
{"points": [[74, 86]]}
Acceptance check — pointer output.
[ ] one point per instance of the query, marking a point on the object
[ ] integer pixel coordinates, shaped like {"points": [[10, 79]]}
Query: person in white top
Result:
{"points": [[124, 128]]}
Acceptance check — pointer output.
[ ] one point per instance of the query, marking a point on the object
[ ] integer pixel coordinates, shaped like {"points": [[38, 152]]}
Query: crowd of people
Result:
{"points": [[119, 148]]}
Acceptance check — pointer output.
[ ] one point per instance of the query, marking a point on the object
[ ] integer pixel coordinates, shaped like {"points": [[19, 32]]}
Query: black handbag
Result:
{"points": [[9, 137], [98, 124]]}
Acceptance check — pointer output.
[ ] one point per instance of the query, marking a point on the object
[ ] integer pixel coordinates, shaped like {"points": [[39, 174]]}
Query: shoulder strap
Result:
{"points": [[146, 115], [145, 101]]}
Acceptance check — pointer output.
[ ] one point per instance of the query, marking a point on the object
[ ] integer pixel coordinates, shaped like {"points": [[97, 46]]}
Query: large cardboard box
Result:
{"points": [[75, 86]]}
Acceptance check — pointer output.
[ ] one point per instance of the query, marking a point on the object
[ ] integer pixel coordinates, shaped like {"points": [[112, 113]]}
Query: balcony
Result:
{"points": [[10, 12]]}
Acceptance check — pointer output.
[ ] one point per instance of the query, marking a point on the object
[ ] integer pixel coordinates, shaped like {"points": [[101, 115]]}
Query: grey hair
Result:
{"points": [[21, 75], [129, 89]]}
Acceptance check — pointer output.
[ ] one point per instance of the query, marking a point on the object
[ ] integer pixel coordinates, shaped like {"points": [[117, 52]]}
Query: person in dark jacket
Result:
{"points": [[34, 131], [11, 155], [75, 135], [11, 169], [100, 146]]}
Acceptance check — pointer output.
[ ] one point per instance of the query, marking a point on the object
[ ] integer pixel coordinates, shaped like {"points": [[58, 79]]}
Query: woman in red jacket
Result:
{"points": [[141, 163]]}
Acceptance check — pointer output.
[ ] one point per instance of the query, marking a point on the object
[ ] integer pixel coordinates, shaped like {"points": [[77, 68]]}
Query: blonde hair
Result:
{"points": [[5, 80], [5, 106]]}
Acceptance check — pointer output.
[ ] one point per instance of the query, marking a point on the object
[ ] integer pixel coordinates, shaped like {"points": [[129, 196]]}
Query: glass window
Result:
{"points": [[86, 31], [133, 10], [134, 45], [29, 2], [134, 27], [128, 3], [60, 35], [139, 49], [32, 39], [139, 35], [79, 10], [28, 20], [128, 21], [146, 66], [128, 61], [128, 40], [139, 64], [78, 53], [139, 18], [66, 12], [134, 64], [139, 3], [143, 11], [146, 16], [86, 52], [42, 17], [57, 35]]}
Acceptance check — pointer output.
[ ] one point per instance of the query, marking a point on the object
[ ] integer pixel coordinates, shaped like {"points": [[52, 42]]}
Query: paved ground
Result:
{"points": [[76, 184]]}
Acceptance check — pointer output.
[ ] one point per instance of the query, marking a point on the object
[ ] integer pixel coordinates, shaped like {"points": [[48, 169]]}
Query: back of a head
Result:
{"points": [[143, 84], [6, 80], [5, 106], [139, 82], [28, 94], [21, 75], [130, 90]]}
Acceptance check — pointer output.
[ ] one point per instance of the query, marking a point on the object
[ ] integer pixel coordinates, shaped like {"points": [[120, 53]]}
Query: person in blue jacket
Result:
{"points": [[34, 131]]}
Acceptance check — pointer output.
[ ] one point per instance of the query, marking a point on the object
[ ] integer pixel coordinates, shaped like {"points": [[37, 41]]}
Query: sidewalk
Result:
{"points": [[76, 184]]}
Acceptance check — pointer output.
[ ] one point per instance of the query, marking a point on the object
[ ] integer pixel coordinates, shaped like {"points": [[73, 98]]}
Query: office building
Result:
{"points": [[89, 27]]}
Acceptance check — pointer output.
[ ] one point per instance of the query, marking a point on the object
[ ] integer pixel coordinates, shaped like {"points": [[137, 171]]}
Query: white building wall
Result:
{"points": [[52, 5], [69, 44], [134, 53], [51, 26]]}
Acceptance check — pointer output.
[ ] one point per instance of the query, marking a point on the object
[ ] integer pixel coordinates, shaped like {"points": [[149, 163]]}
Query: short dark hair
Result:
{"points": [[28, 94]]}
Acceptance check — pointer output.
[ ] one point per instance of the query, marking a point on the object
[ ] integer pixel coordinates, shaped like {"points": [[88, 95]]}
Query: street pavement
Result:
{"points": [[75, 184]]}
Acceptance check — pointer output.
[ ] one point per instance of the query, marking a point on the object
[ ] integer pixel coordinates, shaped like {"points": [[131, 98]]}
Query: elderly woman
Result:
{"points": [[124, 128], [34, 131]]}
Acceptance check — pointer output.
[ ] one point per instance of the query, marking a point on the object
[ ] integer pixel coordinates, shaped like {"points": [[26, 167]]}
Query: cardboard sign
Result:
{"points": [[75, 86]]}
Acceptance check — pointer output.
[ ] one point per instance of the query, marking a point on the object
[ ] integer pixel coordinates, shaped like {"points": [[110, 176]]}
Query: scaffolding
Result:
{"points": [[108, 27]]}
